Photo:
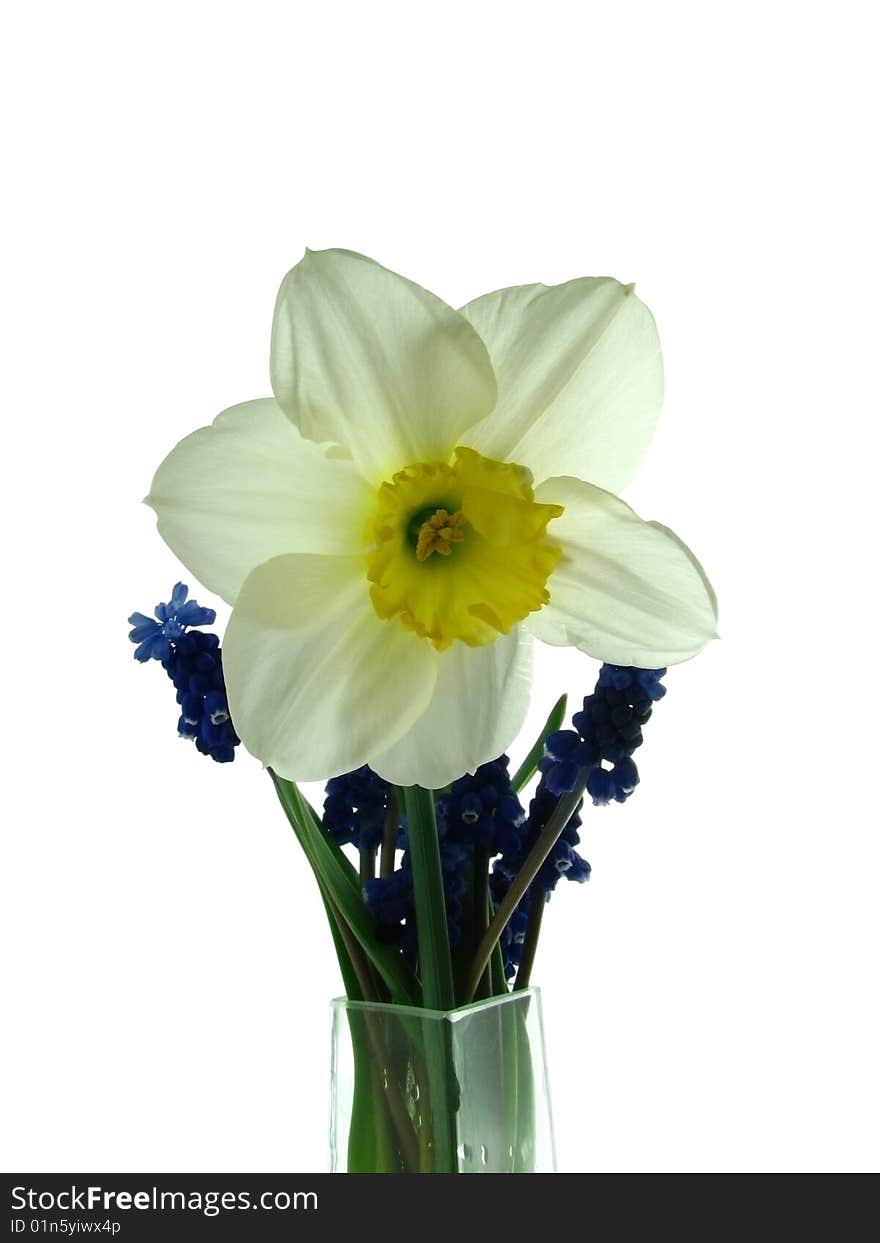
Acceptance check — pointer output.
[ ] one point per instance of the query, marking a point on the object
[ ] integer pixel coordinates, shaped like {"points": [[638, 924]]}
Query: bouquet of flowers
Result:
{"points": [[428, 491]]}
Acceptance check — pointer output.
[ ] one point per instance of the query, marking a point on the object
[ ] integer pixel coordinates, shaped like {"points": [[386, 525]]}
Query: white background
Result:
{"points": [[710, 996]]}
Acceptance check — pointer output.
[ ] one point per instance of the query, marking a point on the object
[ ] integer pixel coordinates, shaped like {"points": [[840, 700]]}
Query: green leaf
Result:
{"points": [[353, 990], [529, 766], [337, 875]]}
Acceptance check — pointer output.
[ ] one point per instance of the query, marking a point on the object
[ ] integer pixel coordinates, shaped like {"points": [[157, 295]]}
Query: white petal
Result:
{"points": [[365, 358], [317, 683], [626, 591], [479, 705], [249, 487], [580, 379]]}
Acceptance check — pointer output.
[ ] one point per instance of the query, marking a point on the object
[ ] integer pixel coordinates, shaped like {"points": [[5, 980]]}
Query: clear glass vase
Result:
{"points": [[440, 1092]]}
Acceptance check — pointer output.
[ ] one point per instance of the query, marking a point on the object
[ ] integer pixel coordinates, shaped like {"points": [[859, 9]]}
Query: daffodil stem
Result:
{"points": [[549, 836], [435, 958]]}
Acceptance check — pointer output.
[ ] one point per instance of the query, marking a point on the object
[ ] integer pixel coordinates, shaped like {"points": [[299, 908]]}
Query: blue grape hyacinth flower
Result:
{"points": [[154, 635], [193, 661]]}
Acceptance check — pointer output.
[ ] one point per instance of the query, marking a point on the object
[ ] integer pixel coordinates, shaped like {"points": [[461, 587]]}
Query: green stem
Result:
{"points": [[387, 1092], [530, 945], [550, 834], [379, 1100], [367, 869], [481, 914], [435, 959], [389, 837], [529, 766]]}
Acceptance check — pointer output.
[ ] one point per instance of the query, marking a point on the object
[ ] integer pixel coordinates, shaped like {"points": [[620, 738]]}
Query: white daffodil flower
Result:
{"points": [[428, 490]]}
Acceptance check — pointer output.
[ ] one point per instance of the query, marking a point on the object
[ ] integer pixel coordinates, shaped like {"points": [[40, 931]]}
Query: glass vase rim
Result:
{"points": [[451, 1016]]}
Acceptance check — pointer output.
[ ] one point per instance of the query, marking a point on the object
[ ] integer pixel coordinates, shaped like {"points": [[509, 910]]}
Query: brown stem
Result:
{"points": [[360, 963], [530, 945], [547, 839]]}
